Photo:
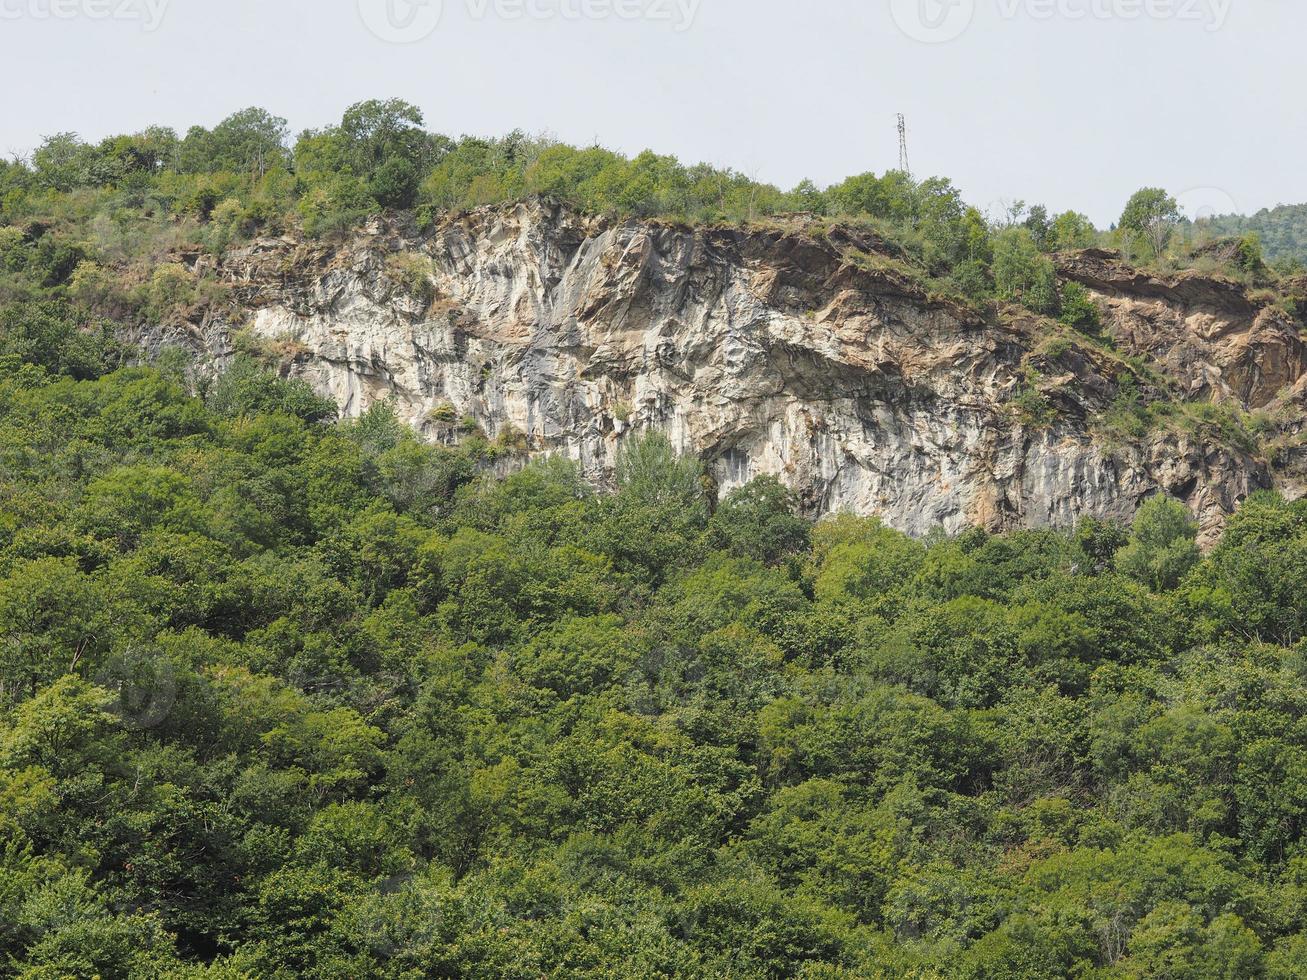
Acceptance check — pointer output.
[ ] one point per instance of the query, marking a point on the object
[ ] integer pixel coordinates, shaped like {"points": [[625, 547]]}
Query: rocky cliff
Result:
{"points": [[807, 351]]}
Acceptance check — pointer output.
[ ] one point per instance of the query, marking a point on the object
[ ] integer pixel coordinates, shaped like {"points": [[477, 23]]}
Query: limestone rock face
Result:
{"points": [[1206, 334], [801, 353]]}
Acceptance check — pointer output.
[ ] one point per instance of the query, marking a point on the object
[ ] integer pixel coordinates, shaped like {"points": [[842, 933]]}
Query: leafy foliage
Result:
{"points": [[1162, 549], [1022, 274], [283, 695], [1152, 216], [277, 702]]}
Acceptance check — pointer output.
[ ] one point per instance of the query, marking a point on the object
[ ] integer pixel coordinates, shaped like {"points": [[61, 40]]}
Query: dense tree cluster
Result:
{"points": [[282, 696]]}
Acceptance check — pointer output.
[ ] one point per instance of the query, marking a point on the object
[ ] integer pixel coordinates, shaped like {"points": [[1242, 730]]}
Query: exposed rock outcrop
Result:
{"points": [[1207, 334], [805, 352]]}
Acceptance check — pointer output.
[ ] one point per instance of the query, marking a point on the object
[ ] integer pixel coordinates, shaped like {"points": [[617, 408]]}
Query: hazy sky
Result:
{"points": [[1074, 103]]}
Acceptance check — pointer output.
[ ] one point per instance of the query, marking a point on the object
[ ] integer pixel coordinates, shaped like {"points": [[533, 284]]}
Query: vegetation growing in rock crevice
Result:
{"points": [[1131, 417]]}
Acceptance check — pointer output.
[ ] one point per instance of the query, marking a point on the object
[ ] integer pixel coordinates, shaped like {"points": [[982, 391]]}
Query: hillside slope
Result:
{"points": [[1282, 230], [804, 350]]}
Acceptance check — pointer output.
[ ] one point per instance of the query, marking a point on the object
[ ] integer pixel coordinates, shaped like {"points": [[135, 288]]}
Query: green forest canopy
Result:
{"points": [[284, 696]]}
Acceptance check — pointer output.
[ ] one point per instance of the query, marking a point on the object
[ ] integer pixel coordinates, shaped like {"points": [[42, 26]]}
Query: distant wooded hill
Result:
{"points": [[1282, 230]]}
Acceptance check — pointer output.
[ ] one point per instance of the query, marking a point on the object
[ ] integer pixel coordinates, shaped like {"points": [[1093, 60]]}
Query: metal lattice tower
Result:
{"points": [[903, 145]]}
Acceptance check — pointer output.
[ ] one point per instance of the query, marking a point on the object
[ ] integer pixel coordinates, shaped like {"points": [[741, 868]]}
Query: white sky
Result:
{"points": [[1073, 103]]}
